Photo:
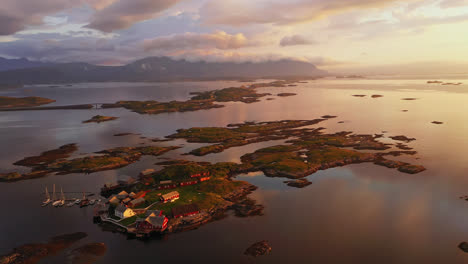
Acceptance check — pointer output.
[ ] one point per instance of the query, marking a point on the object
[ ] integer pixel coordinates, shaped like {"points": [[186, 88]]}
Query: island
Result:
{"points": [[33, 253], [100, 118], [181, 196], [286, 94], [55, 161], [15, 102], [200, 100]]}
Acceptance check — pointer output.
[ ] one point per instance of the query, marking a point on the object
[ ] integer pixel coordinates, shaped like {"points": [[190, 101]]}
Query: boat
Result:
{"points": [[47, 200], [70, 204], [84, 202], [92, 201], [61, 201], [77, 201], [54, 199]]}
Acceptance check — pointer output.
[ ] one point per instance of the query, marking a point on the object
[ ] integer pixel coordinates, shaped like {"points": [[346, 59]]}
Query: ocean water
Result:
{"points": [[353, 214]]}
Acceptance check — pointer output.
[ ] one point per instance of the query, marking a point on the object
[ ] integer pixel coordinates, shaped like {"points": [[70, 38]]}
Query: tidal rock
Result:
{"points": [[463, 246], [300, 183], [258, 249]]}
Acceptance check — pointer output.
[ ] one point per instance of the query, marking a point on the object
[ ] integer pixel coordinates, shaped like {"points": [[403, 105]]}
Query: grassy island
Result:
{"points": [[55, 161], [13, 102], [200, 100]]}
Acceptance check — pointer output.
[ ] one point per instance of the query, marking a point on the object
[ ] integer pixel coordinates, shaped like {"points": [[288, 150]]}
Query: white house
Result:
{"points": [[123, 212]]}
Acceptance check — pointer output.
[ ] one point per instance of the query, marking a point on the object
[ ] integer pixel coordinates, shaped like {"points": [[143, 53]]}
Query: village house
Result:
{"points": [[200, 174], [185, 210], [132, 195], [126, 200], [114, 200], [152, 223], [186, 183], [147, 172], [122, 195], [170, 197], [123, 212], [136, 202], [154, 212], [202, 179], [165, 182], [128, 181], [140, 194]]}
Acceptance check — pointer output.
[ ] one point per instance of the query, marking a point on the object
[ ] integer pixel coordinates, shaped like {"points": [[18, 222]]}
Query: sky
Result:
{"points": [[346, 36]]}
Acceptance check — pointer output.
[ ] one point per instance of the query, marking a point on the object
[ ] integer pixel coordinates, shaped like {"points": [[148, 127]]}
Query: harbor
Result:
{"points": [[60, 200]]}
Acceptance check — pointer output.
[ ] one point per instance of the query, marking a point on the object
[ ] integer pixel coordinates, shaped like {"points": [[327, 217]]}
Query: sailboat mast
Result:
{"points": [[47, 193], [53, 194], [63, 195]]}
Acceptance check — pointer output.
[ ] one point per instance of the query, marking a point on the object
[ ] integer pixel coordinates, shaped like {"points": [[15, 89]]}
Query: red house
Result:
{"points": [[188, 183], [170, 197], [199, 174], [167, 186], [185, 210], [152, 223], [202, 179]]}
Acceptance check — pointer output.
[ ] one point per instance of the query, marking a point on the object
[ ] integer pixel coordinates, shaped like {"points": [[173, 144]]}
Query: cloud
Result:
{"points": [[121, 14], [16, 15], [61, 48], [217, 40], [280, 12], [453, 3], [295, 40]]}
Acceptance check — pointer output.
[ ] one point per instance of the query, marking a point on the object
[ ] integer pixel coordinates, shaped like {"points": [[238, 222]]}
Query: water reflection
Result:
{"points": [[355, 214]]}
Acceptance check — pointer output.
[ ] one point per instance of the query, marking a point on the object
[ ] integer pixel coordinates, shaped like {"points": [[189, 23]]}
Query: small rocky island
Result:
{"points": [[286, 94], [258, 249], [33, 253], [14, 102], [100, 119]]}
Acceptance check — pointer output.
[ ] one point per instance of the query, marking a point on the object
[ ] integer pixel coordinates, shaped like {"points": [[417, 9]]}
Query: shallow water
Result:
{"points": [[354, 214]]}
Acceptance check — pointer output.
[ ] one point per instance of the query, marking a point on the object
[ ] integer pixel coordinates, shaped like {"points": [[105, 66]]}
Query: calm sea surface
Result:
{"points": [[354, 214]]}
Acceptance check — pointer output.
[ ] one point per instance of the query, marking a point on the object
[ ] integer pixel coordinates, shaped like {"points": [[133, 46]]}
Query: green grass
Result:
{"points": [[7, 102]]}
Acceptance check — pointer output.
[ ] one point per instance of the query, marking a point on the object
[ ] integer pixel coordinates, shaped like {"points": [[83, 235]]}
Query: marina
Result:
{"points": [[70, 202]]}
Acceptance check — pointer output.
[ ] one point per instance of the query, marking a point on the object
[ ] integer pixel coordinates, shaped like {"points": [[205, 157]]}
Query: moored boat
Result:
{"points": [[85, 201], [47, 200]]}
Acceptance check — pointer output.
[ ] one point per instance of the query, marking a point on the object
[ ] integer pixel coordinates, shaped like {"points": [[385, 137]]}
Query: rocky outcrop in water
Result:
{"points": [[258, 249]]}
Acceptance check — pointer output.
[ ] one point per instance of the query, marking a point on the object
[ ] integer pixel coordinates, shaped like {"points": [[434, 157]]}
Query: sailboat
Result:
{"points": [[55, 202], [47, 200], [84, 202], [61, 201]]}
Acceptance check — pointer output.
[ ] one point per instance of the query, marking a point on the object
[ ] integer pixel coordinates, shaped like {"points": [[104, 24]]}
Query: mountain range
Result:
{"points": [[13, 64], [154, 69]]}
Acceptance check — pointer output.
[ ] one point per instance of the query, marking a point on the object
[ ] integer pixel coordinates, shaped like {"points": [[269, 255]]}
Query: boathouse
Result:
{"points": [[152, 223], [123, 212], [114, 200], [136, 202], [147, 172], [170, 197], [185, 210]]}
